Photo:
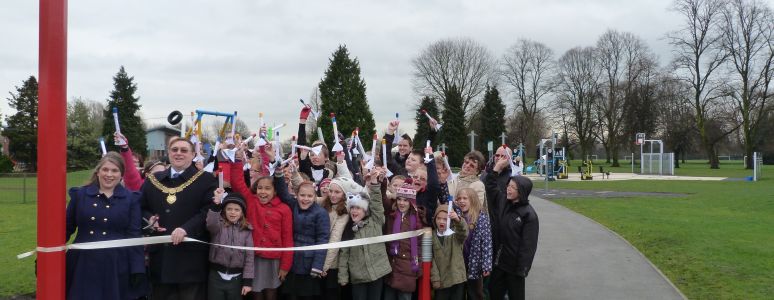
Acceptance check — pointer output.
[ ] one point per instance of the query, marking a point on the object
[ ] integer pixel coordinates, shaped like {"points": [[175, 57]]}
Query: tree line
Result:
{"points": [[87, 121], [714, 90]]}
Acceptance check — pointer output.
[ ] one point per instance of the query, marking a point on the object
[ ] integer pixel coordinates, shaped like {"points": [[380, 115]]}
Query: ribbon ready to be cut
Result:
{"points": [[163, 239]]}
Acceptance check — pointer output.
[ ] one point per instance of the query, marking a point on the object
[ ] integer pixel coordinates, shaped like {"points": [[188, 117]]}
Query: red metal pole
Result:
{"points": [[52, 132], [427, 263]]}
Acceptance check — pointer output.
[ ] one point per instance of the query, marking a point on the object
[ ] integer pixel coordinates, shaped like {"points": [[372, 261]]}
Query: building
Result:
{"points": [[157, 138]]}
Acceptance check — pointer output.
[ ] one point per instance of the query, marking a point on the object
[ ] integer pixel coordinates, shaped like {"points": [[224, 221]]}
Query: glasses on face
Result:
{"points": [[499, 155], [179, 150], [418, 178]]}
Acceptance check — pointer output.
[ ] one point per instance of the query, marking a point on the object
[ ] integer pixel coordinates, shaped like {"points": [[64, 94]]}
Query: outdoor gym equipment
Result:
{"points": [[587, 168]]}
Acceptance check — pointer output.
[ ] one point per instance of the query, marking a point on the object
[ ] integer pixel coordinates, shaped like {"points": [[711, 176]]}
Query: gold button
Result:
{"points": [[95, 204], [105, 219], [107, 206], [91, 232], [104, 233], [93, 218]]}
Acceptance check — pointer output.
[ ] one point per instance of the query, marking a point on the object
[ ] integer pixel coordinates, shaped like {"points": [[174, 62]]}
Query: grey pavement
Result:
{"points": [[577, 258]]}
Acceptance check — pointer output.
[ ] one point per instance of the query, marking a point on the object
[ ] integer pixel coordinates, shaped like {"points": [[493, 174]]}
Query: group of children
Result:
{"points": [[306, 199]]}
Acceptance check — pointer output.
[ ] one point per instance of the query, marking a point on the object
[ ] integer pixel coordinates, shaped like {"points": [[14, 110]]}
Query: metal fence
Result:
{"points": [[657, 164], [22, 188]]}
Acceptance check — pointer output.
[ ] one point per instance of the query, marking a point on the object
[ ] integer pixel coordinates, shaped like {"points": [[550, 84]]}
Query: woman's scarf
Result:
{"points": [[396, 244]]}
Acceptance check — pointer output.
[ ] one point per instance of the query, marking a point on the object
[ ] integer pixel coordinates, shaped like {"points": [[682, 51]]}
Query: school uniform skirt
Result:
{"points": [[266, 274]]}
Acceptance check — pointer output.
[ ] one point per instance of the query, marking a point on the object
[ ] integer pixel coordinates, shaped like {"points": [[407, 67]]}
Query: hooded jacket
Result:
{"points": [[362, 264], [448, 266], [514, 226]]}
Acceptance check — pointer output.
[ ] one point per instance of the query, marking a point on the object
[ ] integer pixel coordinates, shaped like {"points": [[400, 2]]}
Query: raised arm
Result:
{"points": [[132, 179], [282, 189]]}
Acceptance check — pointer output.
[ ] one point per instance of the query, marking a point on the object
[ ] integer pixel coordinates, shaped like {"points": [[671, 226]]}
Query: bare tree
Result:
{"points": [[624, 59], [528, 66], [578, 90], [698, 50], [463, 63], [675, 116], [748, 29]]}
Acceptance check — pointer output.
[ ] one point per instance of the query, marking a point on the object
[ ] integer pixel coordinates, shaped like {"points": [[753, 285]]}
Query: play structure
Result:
{"points": [[228, 125], [551, 161], [654, 163]]}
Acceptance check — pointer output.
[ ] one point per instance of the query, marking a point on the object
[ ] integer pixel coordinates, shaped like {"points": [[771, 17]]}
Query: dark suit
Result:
{"points": [[186, 263]]}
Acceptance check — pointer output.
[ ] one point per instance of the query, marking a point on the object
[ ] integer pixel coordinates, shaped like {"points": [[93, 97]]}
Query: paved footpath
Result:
{"points": [[578, 258]]}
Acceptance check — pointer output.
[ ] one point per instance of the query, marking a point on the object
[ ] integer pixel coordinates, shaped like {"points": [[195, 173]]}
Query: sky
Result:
{"points": [[262, 56]]}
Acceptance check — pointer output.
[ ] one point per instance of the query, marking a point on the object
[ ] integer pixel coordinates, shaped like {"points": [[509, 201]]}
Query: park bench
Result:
{"points": [[602, 170]]}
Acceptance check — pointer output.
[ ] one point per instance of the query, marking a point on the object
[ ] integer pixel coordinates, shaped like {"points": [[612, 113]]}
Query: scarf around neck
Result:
{"points": [[396, 244]]}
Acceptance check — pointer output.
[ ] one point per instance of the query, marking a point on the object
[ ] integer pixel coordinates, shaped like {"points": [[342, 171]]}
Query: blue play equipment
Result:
{"points": [[551, 160]]}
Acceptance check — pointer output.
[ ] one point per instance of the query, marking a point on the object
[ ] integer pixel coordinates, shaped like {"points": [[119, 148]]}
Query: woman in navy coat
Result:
{"points": [[104, 210]]}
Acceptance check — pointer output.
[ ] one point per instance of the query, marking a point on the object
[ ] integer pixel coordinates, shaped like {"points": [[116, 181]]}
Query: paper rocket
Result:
{"points": [[316, 150], [427, 155], [396, 138], [102, 146], [384, 157], [118, 142], [449, 231], [437, 125], [336, 142], [370, 160], [314, 113]]}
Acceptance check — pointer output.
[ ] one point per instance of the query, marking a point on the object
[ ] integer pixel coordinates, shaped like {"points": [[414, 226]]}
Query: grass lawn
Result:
{"points": [[728, 168], [18, 229], [716, 242]]}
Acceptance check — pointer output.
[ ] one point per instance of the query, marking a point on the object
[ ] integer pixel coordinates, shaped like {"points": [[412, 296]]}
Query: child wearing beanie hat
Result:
{"points": [[364, 266], [448, 274], [404, 254], [231, 270]]}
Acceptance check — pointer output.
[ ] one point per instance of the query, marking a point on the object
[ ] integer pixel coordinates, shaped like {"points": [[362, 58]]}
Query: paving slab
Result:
{"points": [[577, 258]]}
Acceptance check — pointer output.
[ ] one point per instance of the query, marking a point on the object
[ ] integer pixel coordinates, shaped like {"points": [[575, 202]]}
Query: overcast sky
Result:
{"points": [[262, 56]]}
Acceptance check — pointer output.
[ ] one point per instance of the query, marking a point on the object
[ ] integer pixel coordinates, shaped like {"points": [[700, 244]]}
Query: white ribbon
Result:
{"points": [[163, 239]]}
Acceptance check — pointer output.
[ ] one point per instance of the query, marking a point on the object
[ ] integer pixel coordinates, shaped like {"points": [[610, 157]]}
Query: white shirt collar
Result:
{"points": [[173, 172]]}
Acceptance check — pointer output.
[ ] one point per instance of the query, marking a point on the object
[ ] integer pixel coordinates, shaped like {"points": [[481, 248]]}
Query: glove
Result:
{"points": [[136, 280], [305, 113]]}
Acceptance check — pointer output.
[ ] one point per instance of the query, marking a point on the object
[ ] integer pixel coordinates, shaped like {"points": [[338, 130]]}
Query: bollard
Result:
{"points": [[427, 261]]}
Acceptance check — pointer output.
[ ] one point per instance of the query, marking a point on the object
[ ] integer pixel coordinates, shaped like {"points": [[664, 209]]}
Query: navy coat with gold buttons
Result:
{"points": [[103, 273]]}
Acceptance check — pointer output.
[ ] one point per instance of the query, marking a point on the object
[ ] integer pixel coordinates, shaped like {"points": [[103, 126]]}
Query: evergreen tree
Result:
{"points": [[84, 129], [122, 96], [453, 131], [492, 118], [423, 129], [22, 127], [343, 92]]}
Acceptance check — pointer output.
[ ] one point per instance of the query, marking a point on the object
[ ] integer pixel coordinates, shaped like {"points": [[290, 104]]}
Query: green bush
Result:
{"points": [[6, 165]]}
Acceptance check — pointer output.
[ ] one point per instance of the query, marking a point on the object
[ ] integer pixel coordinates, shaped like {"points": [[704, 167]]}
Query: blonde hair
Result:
{"points": [[475, 205], [111, 157]]}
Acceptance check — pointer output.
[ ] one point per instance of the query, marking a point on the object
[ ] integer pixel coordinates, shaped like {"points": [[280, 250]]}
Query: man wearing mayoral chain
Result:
{"points": [[175, 202]]}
